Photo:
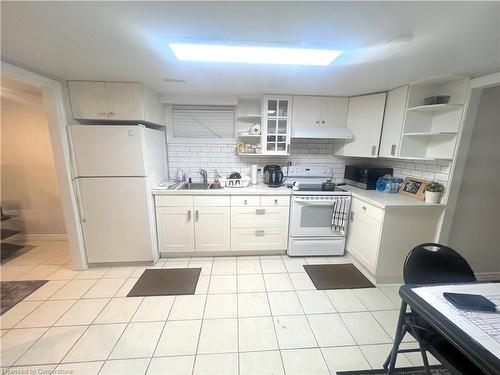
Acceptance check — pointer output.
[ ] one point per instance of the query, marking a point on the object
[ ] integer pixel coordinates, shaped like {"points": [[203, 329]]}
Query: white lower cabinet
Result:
{"points": [[212, 228], [379, 239], [188, 224], [363, 237], [175, 226]]}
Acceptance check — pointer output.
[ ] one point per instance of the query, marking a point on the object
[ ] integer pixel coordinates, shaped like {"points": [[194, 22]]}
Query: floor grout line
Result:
{"points": [[274, 325], [202, 319]]}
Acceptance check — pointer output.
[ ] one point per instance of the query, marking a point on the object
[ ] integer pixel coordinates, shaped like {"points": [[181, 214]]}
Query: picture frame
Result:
{"points": [[414, 187]]}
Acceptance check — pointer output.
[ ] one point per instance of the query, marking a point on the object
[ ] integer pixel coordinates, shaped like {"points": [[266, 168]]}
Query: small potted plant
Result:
{"points": [[433, 192]]}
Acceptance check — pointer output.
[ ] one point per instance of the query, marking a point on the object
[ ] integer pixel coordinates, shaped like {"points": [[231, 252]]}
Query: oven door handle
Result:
{"points": [[315, 203]]}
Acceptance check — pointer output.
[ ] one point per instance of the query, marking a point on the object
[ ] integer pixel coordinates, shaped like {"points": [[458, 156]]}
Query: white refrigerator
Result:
{"points": [[115, 169]]}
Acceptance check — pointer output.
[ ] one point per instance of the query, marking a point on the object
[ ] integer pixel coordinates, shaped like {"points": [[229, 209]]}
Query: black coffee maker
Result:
{"points": [[273, 176]]}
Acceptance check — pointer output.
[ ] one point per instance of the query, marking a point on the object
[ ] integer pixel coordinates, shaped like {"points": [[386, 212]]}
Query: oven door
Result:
{"points": [[311, 216]]}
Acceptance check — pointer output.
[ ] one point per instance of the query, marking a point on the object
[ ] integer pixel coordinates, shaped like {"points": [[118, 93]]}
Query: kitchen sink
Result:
{"points": [[195, 186]]}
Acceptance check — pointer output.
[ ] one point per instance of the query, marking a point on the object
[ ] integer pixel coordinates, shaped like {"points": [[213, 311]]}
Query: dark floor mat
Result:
{"points": [[8, 251], [435, 370], [166, 282], [13, 292], [337, 276], [6, 233]]}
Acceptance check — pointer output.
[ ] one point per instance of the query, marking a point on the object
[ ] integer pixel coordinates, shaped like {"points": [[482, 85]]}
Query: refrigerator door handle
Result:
{"points": [[79, 201]]}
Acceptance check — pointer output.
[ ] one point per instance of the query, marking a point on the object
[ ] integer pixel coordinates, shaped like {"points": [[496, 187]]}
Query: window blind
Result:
{"points": [[209, 121]]}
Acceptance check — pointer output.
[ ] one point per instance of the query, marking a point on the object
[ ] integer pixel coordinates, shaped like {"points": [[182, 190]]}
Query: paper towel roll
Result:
{"points": [[253, 174]]}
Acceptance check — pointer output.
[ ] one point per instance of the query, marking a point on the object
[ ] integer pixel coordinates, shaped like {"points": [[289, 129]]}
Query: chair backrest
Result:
{"points": [[432, 263]]}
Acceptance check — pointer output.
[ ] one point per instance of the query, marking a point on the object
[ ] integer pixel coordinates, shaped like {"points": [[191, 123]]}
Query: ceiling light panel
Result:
{"points": [[252, 54]]}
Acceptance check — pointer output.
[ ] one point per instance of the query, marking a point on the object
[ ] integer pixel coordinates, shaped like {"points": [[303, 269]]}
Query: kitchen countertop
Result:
{"points": [[384, 200], [259, 189]]}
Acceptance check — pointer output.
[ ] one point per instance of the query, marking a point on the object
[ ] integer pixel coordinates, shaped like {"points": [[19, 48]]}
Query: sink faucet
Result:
{"points": [[203, 173]]}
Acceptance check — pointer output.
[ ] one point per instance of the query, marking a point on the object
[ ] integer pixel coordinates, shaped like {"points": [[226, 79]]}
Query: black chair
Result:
{"points": [[431, 263]]}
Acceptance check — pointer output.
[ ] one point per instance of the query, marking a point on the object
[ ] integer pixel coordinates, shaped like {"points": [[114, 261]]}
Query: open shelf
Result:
{"points": [[249, 136], [431, 131], [250, 154], [435, 108], [252, 118], [429, 134]]}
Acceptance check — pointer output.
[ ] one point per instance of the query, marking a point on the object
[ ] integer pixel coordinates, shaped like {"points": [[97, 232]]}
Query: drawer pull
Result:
{"points": [[260, 211], [245, 201], [259, 232]]}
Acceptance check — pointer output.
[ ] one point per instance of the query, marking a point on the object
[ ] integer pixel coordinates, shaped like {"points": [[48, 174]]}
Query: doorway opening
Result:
{"points": [[34, 242]]}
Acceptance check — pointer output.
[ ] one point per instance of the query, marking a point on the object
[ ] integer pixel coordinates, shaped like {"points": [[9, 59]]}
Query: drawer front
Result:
{"points": [[259, 217], [360, 207], [173, 200], [212, 201], [243, 239], [282, 200], [245, 200]]}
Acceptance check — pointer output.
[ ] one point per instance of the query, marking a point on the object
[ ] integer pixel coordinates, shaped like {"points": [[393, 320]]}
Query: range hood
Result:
{"points": [[321, 133]]}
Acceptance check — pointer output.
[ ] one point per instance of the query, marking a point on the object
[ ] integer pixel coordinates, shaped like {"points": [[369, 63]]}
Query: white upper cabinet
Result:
{"points": [[276, 124], [395, 110], [114, 101], [364, 119], [333, 111], [319, 112], [124, 101], [88, 100], [306, 111]]}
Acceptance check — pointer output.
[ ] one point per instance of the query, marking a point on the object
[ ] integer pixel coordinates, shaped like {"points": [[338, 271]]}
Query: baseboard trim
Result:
{"points": [[24, 237], [488, 276]]}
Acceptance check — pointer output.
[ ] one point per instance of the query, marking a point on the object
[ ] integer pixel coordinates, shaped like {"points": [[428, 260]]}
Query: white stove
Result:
{"points": [[318, 218]]}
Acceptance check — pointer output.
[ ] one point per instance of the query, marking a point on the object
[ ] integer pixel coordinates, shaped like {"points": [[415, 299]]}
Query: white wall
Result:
{"points": [[28, 178], [475, 231]]}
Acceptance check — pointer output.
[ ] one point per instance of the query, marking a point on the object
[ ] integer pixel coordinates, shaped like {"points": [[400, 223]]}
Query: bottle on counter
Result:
{"points": [[180, 175]]}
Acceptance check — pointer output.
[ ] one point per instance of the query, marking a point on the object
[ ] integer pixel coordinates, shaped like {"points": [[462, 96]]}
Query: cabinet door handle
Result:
{"points": [[323, 121], [275, 201], [245, 202], [260, 211], [102, 113], [317, 121], [393, 150], [111, 113], [374, 150], [197, 215], [189, 215], [259, 232], [364, 208], [352, 215]]}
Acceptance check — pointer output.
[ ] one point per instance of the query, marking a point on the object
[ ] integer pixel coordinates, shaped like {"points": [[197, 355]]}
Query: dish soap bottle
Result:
{"points": [[180, 175]]}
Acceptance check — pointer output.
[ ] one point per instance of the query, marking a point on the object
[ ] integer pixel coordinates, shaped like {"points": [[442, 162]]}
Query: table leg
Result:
{"points": [[398, 337]]}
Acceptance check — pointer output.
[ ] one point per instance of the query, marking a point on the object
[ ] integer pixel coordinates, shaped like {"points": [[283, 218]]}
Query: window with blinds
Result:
{"points": [[209, 121]]}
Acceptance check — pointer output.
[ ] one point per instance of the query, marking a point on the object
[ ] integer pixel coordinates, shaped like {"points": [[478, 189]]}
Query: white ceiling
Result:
{"points": [[128, 41]]}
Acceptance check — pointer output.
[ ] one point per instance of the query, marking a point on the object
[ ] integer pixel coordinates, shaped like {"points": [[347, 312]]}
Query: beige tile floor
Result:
{"points": [[249, 316]]}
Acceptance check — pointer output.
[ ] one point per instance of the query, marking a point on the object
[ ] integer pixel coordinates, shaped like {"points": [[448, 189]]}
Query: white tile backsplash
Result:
{"points": [[190, 157]]}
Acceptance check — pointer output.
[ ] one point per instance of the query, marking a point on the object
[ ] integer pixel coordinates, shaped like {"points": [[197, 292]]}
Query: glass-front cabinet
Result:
{"points": [[276, 122]]}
